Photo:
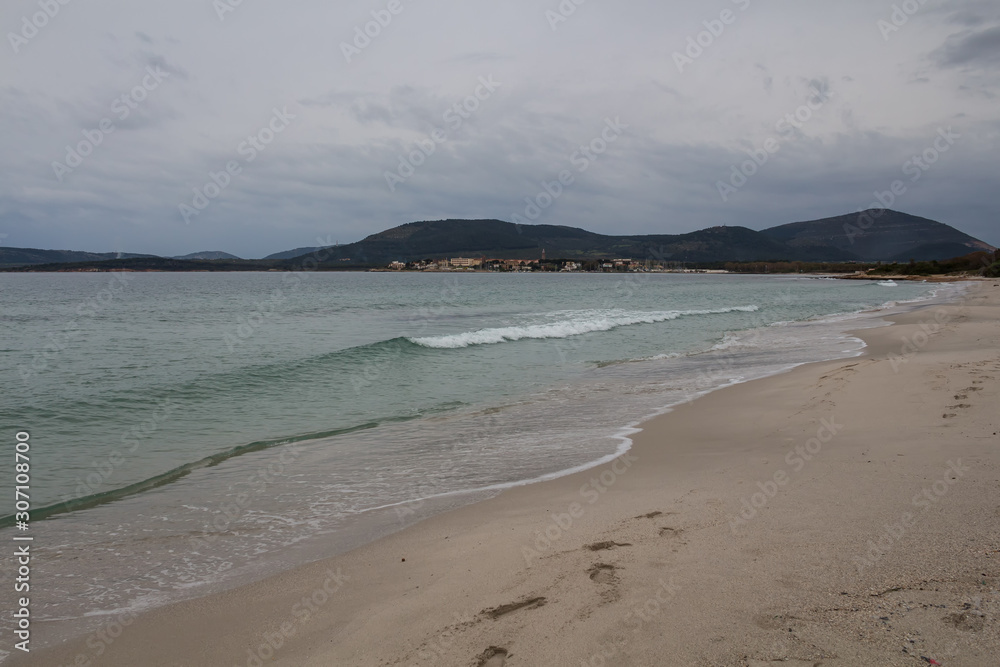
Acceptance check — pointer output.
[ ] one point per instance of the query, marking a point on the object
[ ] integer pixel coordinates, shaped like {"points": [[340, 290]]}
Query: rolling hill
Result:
{"points": [[208, 254], [495, 238], [879, 236], [36, 257], [27, 256], [889, 237]]}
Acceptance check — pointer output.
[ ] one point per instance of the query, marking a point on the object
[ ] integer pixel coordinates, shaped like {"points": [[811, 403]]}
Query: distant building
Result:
{"points": [[466, 262], [438, 264], [397, 266]]}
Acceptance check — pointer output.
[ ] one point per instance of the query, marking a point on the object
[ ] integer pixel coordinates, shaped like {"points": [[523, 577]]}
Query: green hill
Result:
{"points": [[879, 235], [866, 237], [29, 256], [495, 238]]}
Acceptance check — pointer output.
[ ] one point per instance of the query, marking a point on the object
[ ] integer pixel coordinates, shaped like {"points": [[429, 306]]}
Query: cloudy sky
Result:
{"points": [[121, 118]]}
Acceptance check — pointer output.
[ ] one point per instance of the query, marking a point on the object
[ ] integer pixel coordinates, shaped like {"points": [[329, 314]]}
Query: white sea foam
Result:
{"points": [[728, 341], [583, 322]]}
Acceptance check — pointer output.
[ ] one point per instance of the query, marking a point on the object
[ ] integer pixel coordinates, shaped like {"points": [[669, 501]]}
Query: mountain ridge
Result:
{"points": [[880, 235], [29, 256], [873, 235], [868, 236], [207, 254]]}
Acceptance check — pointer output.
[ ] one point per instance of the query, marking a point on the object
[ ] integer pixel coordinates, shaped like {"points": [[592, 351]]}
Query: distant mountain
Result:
{"points": [[30, 256], [889, 236], [34, 256], [495, 238], [878, 235], [208, 254], [158, 264], [292, 254]]}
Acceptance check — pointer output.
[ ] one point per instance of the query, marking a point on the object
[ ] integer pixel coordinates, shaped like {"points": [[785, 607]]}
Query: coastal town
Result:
{"points": [[623, 265]]}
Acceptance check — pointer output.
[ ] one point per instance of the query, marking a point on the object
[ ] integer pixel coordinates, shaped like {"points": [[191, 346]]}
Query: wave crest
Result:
{"points": [[580, 323]]}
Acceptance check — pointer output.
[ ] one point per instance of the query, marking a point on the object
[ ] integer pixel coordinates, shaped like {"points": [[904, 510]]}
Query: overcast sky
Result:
{"points": [[160, 96]]}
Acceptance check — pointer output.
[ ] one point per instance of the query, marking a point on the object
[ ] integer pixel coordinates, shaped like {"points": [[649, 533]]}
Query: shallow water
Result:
{"points": [[192, 431]]}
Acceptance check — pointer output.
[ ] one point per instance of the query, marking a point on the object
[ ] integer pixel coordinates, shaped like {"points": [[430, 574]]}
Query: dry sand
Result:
{"points": [[870, 535]]}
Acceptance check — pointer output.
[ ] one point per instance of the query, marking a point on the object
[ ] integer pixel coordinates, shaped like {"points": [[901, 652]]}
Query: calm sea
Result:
{"points": [[193, 431]]}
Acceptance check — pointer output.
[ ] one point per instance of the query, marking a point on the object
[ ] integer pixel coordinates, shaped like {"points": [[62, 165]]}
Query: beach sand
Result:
{"points": [[843, 513]]}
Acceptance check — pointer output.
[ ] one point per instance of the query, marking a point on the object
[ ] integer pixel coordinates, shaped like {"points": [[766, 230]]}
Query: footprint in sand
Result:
{"points": [[960, 406], [949, 416], [604, 546], [670, 532], [603, 573], [494, 656], [504, 609], [968, 621]]}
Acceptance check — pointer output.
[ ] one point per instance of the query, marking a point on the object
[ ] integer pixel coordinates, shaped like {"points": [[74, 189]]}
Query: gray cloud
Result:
{"points": [[968, 13], [973, 47], [325, 174]]}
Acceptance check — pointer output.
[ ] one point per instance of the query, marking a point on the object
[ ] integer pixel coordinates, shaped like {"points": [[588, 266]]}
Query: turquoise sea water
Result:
{"points": [[194, 430]]}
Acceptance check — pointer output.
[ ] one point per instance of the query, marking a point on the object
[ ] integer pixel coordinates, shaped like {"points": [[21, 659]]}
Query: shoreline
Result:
{"points": [[623, 433], [857, 276], [517, 510]]}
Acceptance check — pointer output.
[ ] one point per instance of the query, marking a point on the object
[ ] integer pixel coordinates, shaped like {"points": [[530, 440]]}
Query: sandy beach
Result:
{"points": [[842, 513]]}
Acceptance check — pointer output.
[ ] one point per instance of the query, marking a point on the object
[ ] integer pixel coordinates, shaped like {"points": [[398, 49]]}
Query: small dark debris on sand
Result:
{"points": [[494, 655], [602, 546], [503, 610]]}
